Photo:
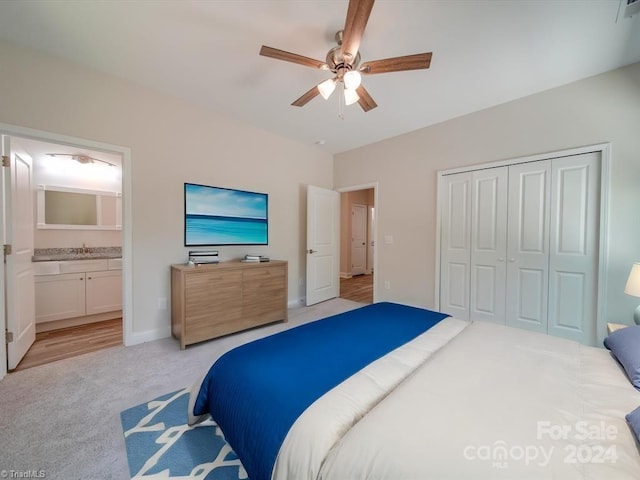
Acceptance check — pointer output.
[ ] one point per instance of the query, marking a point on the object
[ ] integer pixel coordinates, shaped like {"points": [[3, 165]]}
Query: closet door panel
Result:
{"points": [[528, 245], [574, 247], [566, 301], [529, 302], [488, 244], [455, 231]]}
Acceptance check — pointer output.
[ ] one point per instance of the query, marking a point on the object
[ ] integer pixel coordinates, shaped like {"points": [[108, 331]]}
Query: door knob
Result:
{"points": [[311, 251]]}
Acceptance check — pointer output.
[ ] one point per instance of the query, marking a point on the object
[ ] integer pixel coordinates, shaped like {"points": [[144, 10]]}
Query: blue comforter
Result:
{"points": [[256, 392]]}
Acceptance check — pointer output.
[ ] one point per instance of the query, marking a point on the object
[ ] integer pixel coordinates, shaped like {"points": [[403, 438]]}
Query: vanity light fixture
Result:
{"points": [[81, 158]]}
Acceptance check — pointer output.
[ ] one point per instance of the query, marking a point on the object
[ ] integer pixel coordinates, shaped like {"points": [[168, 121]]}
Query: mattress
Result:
{"points": [[468, 400], [497, 403]]}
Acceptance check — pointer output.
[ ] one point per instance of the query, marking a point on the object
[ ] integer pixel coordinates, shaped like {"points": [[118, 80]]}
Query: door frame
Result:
{"points": [[603, 235], [366, 233], [127, 238], [368, 186]]}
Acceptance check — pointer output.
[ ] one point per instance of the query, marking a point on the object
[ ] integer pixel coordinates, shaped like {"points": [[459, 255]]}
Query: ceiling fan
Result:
{"points": [[344, 61]]}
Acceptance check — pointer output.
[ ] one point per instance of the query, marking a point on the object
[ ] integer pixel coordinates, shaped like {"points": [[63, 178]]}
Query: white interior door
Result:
{"points": [[573, 260], [18, 228], [528, 245], [489, 244], [358, 239], [323, 247], [455, 250]]}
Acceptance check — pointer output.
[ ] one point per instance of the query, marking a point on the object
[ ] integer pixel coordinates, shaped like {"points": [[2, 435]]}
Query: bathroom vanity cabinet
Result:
{"points": [[77, 288]]}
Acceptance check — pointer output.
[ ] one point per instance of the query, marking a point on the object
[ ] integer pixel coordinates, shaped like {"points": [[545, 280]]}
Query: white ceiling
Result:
{"points": [[485, 52]]}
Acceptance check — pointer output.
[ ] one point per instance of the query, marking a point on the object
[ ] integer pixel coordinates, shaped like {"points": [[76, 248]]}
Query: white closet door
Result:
{"points": [[528, 245], [574, 247], [455, 239], [488, 244]]}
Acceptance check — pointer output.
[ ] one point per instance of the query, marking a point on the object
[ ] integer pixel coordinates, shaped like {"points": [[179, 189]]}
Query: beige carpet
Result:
{"points": [[63, 419]]}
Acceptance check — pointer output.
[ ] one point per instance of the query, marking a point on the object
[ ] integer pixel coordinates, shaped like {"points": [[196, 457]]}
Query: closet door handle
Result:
{"points": [[500, 259], [512, 260]]}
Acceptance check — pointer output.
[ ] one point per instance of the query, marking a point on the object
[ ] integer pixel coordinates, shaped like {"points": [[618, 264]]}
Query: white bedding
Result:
{"points": [[482, 402]]}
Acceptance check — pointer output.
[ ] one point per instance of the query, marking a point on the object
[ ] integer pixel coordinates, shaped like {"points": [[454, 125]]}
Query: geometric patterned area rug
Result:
{"points": [[160, 444]]}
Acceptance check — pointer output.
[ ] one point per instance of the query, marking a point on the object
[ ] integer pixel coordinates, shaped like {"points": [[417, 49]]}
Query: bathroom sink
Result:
{"points": [[115, 263], [46, 268], [77, 266]]}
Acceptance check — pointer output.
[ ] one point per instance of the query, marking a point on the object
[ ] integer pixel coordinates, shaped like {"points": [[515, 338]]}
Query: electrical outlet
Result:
{"points": [[387, 285]]}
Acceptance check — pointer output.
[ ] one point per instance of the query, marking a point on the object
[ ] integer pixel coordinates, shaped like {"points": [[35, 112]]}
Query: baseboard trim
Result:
{"points": [[135, 338], [296, 303], [345, 275]]}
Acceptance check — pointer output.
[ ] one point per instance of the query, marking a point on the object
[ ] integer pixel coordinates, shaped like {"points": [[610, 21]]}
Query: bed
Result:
{"points": [[397, 392]]}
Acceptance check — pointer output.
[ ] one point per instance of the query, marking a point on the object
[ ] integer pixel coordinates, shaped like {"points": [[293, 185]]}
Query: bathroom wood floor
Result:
{"points": [[358, 288], [71, 342]]}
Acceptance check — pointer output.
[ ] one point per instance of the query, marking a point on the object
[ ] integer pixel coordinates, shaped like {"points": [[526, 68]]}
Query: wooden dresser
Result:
{"points": [[211, 300]]}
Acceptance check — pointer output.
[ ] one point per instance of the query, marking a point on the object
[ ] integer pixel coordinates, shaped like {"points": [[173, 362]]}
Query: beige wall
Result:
{"points": [[171, 142], [604, 108]]}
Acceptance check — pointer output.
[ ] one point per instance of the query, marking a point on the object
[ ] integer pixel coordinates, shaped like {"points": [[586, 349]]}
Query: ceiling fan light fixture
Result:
{"points": [[327, 87], [343, 61], [350, 96], [352, 79]]}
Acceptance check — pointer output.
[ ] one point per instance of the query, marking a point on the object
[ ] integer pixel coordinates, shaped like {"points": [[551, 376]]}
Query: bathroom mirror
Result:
{"points": [[73, 208]]}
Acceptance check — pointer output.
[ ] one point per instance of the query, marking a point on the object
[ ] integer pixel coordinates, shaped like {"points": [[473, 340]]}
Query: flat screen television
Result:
{"points": [[224, 216]]}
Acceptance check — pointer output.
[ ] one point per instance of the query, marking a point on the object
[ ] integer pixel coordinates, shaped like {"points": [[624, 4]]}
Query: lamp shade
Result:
{"points": [[350, 96], [633, 282], [352, 79], [327, 87]]}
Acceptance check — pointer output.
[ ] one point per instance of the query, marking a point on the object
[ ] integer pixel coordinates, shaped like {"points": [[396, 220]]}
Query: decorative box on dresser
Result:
{"points": [[212, 300]]}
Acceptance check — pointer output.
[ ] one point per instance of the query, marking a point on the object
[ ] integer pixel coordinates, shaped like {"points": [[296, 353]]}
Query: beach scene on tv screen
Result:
{"points": [[218, 216]]}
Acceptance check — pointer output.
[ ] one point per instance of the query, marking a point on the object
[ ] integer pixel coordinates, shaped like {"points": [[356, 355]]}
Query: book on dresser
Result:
{"points": [[212, 300], [254, 258]]}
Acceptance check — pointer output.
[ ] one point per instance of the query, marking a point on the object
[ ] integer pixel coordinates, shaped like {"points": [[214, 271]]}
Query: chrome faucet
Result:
{"points": [[85, 249]]}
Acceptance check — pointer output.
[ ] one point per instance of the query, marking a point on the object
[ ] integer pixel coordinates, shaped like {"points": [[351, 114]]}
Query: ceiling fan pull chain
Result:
{"points": [[341, 103]]}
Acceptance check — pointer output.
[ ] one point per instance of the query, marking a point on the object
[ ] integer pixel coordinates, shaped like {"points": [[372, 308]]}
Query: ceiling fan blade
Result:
{"points": [[365, 101], [292, 57], [357, 18], [306, 97], [397, 64]]}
